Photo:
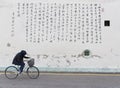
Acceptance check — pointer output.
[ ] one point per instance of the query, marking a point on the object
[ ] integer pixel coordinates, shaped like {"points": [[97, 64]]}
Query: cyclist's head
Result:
{"points": [[23, 52]]}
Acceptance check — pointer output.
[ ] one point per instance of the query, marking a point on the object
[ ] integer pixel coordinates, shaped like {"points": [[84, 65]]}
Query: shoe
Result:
{"points": [[19, 72]]}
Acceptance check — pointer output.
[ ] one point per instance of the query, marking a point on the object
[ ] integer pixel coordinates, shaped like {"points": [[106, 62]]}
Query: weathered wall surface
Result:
{"points": [[56, 33]]}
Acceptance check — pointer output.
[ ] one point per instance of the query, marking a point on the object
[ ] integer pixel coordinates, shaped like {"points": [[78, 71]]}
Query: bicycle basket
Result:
{"points": [[31, 62]]}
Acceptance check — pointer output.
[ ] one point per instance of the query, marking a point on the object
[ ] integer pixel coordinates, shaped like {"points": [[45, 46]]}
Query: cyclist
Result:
{"points": [[18, 60]]}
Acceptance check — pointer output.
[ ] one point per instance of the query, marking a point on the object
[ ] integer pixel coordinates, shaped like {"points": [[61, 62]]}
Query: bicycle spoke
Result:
{"points": [[11, 72], [33, 72]]}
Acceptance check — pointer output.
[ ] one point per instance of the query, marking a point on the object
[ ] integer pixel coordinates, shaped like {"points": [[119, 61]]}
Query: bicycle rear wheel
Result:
{"points": [[11, 72], [33, 72]]}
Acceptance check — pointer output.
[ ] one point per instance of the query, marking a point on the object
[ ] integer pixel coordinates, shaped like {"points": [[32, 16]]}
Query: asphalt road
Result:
{"points": [[63, 81]]}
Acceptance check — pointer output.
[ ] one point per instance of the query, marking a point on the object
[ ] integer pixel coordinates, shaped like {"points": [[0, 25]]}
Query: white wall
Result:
{"points": [[62, 55]]}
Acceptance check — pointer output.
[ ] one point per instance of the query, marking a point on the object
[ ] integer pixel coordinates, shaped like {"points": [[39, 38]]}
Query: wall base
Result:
{"points": [[97, 70]]}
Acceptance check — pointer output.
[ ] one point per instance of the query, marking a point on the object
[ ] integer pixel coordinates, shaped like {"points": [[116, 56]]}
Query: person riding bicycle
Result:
{"points": [[18, 60]]}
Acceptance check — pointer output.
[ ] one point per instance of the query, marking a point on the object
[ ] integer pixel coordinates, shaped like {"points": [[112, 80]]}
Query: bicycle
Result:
{"points": [[11, 72]]}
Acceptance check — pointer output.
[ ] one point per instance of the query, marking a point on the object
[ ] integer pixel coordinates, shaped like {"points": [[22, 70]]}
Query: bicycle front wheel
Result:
{"points": [[11, 72], [33, 72]]}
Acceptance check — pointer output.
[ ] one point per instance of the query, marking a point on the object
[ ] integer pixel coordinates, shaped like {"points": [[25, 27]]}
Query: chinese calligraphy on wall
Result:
{"points": [[57, 22]]}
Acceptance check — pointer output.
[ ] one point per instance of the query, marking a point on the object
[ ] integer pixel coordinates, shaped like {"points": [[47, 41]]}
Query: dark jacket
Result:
{"points": [[18, 59]]}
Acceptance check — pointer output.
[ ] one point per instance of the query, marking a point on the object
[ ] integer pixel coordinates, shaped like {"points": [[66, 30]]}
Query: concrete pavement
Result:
{"points": [[59, 80]]}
